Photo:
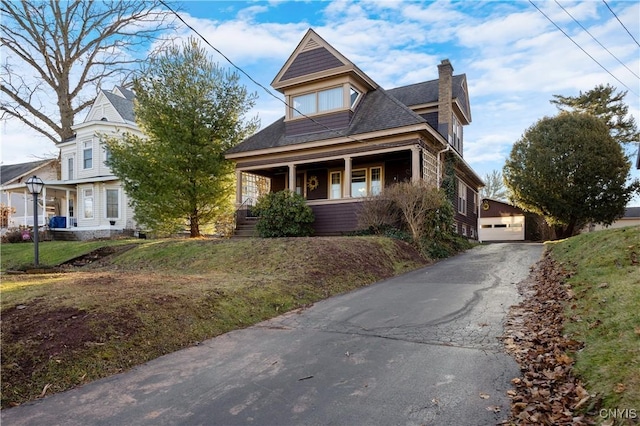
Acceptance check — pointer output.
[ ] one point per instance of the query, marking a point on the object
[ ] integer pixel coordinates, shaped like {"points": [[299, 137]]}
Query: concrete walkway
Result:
{"points": [[419, 349]]}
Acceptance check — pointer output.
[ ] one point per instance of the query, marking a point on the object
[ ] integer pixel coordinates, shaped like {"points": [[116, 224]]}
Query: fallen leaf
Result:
{"points": [[44, 390], [484, 395], [493, 408], [619, 388]]}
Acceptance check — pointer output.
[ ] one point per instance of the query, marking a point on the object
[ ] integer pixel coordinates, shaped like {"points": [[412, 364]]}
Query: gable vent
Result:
{"points": [[311, 44]]}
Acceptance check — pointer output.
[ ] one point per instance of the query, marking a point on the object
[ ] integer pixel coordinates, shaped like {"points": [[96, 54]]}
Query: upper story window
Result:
{"points": [[70, 162], [87, 155], [354, 97], [324, 100], [313, 103], [457, 133]]}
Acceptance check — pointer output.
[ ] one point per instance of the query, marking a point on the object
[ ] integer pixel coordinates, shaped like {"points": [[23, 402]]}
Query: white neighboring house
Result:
{"points": [[14, 193], [92, 202], [631, 218]]}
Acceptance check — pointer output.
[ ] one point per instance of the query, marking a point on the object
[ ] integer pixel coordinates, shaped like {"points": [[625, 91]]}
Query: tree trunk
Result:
{"points": [[194, 225]]}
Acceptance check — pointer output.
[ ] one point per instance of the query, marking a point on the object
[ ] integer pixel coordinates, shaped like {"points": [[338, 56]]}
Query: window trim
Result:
{"points": [[70, 167], [106, 203], [340, 185], [87, 146], [462, 201], [88, 198], [295, 114]]}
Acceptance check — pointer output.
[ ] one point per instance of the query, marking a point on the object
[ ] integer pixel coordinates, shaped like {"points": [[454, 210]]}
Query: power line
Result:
{"points": [[596, 40], [253, 80], [614, 14], [580, 47]]}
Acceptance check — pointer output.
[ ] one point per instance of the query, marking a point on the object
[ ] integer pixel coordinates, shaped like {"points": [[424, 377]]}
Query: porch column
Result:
{"points": [[238, 188], [44, 206], [26, 209], [292, 177], [347, 177], [415, 164]]}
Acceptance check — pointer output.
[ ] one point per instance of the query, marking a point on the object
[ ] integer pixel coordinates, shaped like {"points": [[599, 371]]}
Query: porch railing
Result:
{"points": [[246, 210]]}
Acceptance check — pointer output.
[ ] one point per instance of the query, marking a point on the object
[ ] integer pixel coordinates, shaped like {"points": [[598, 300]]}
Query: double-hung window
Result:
{"points": [[87, 155], [70, 165], [87, 199], [112, 203], [336, 185], [462, 197]]}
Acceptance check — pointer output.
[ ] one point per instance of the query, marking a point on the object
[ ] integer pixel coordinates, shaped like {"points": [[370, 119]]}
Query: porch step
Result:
{"points": [[246, 229], [63, 235]]}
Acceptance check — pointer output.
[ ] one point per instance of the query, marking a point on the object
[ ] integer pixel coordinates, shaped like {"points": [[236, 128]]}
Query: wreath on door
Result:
{"points": [[312, 183]]}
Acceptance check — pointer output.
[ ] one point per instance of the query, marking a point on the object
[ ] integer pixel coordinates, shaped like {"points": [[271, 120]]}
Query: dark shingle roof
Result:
{"points": [[378, 110], [427, 92], [9, 172], [124, 106]]}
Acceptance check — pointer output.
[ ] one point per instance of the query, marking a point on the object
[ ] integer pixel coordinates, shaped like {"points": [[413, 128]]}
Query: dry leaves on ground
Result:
{"points": [[547, 393]]}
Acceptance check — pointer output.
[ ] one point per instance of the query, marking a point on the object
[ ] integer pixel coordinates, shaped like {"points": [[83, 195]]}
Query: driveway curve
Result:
{"points": [[418, 349]]}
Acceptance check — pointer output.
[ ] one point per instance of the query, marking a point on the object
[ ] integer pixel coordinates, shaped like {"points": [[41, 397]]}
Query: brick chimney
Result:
{"points": [[445, 84]]}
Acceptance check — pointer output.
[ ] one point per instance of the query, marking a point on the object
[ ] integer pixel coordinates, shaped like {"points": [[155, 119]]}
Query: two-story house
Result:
{"points": [[343, 138], [85, 200]]}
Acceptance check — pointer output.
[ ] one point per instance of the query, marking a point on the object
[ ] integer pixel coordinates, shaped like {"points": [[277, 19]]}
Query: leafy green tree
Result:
{"points": [[494, 186], [570, 170], [283, 214], [191, 111], [606, 103]]}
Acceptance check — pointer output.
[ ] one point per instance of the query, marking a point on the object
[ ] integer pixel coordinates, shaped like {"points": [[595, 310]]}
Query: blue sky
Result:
{"points": [[515, 59]]}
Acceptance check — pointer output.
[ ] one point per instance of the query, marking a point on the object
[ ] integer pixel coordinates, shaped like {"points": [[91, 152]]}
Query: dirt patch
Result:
{"points": [[97, 257], [547, 393], [35, 334]]}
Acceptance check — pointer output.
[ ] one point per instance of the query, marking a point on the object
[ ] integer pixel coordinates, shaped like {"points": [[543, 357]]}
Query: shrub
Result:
{"points": [[283, 214], [416, 213], [378, 213]]}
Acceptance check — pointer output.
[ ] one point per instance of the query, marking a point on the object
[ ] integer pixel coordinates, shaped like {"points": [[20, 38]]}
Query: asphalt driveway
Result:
{"points": [[418, 349]]}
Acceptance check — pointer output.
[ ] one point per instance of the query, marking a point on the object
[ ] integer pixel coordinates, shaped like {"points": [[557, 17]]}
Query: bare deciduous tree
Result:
{"points": [[494, 188], [71, 47], [415, 200]]}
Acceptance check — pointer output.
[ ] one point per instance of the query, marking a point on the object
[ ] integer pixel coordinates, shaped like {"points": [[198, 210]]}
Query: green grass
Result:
{"points": [[65, 329], [50, 253], [605, 313]]}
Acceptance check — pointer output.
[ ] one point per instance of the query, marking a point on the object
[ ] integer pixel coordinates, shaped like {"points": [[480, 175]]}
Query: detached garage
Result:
{"points": [[500, 222]]}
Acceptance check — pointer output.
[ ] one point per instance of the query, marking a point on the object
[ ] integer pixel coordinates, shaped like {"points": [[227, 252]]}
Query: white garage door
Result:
{"points": [[510, 228]]}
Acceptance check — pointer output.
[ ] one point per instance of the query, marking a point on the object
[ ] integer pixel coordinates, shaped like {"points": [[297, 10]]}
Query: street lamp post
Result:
{"points": [[35, 186]]}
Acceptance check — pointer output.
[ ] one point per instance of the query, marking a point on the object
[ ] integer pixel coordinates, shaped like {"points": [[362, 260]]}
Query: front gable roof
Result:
{"points": [[315, 59], [116, 105], [13, 173]]}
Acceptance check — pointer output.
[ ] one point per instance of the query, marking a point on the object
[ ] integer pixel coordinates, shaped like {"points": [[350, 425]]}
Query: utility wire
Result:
{"points": [[580, 47], [614, 14], [596, 40], [334, 131]]}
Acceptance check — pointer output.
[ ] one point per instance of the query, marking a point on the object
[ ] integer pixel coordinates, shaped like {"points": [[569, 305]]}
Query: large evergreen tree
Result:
{"points": [[606, 103], [570, 170], [191, 111]]}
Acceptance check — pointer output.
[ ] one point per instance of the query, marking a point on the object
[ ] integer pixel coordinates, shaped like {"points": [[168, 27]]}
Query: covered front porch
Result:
{"points": [[335, 185], [55, 209]]}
